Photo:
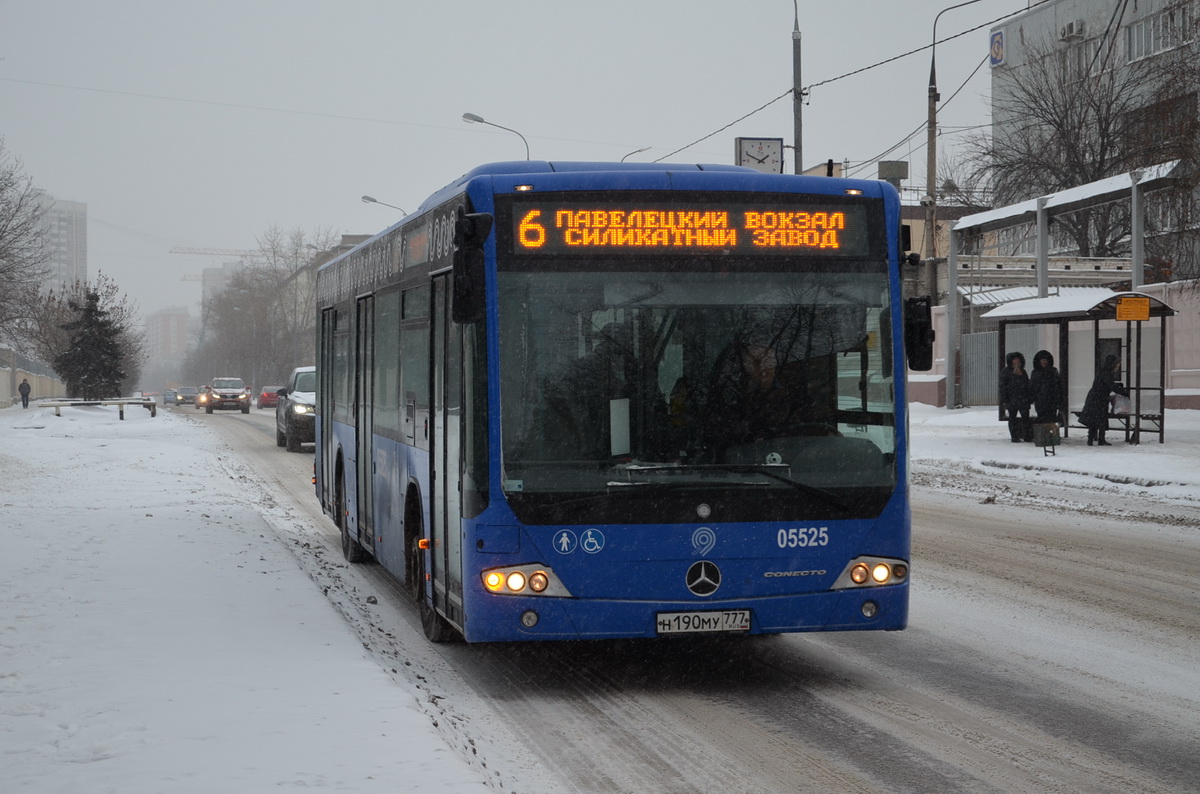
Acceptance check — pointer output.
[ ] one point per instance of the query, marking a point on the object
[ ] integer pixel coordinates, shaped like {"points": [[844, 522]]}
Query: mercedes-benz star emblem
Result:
{"points": [[703, 578]]}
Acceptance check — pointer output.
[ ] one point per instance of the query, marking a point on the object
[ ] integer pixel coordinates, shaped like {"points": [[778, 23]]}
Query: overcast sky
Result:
{"points": [[203, 124]]}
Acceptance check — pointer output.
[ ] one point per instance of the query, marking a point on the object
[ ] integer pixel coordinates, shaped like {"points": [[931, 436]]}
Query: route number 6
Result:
{"points": [[530, 233]]}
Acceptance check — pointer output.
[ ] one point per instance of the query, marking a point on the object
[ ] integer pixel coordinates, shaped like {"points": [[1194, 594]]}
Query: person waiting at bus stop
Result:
{"points": [[1046, 386], [1094, 415], [1016, 397]]}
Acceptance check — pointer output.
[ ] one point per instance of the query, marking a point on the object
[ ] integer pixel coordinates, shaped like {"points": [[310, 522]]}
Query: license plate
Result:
{"points": [[729, 620]]}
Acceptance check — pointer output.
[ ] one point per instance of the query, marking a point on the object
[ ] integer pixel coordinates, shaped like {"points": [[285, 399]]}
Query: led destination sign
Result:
{"points": [[833, 229]]}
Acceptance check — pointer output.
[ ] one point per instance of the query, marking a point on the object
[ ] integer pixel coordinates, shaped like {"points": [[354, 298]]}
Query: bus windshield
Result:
{"points": [[643, 396]]}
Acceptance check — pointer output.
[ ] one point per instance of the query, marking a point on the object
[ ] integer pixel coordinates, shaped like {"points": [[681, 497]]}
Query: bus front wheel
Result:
{"points": [[352, 550], [435, 627]]}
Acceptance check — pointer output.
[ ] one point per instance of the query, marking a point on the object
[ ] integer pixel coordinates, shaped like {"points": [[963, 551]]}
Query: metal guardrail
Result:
{"points": [[146, 402]]}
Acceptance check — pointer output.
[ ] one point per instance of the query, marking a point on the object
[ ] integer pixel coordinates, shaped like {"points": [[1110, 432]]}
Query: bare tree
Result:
{"points": [[262, 324], [23, 251], [1071, 116]]}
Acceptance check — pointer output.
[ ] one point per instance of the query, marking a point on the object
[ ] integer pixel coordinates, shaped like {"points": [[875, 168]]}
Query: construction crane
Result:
{"points": [[240, 254], [215, 252]]}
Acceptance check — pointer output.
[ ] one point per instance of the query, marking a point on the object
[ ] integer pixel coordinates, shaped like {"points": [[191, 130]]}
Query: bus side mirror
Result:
{"points": [[918, 333], [470, 233]]}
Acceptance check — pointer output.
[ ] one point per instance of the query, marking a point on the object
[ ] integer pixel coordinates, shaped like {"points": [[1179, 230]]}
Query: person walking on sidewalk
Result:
{"points": [[24, 390], [1015, 398]]}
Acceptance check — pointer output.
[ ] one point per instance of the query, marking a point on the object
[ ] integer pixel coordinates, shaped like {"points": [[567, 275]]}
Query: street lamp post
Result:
{"points": [[930, 198], [471, 118], [371, 200]]}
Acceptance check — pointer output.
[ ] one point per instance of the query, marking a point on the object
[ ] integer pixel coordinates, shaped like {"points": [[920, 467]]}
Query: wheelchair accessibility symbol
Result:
{"points": [[565, 541], [592, 541]]}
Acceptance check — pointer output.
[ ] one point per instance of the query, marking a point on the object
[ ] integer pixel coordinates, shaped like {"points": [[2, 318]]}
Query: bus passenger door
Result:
{"points": [[364, 351], [445, 508], [325, 357]]}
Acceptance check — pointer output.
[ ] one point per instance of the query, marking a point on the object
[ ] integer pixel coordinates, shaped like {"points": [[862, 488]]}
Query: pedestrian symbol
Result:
{"points": [[565, 541]]}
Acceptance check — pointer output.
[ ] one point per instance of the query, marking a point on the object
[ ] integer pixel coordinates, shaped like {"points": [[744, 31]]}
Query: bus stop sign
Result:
{"points": [[1133, 309]]}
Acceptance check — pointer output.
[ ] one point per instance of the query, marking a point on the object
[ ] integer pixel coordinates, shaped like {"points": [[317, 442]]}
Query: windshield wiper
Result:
{"points": [[748, 468]]}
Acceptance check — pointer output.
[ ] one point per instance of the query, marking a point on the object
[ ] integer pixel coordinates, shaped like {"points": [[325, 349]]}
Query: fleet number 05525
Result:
{"points": [[799, 537]]}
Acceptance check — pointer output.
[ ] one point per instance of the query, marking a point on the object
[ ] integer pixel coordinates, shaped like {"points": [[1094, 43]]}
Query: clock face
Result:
{"points": [[761, 154]]}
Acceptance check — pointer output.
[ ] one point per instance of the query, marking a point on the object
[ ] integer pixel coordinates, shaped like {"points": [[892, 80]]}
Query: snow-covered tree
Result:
{"points": [[91, 365]]}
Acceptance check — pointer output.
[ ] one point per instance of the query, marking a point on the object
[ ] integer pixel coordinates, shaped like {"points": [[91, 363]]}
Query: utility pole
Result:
{"points": [[797, 91], [930, 197]]}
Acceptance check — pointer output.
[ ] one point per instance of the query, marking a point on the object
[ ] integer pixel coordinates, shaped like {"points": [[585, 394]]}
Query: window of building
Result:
{"points": [[1163, 31]]}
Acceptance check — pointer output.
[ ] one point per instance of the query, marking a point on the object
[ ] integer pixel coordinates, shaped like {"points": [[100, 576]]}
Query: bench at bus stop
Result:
{"points": [[147, 402], [1133, 425]]}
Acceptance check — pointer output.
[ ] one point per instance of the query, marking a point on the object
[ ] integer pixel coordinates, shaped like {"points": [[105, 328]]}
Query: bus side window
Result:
{"points": [[414, 365]]}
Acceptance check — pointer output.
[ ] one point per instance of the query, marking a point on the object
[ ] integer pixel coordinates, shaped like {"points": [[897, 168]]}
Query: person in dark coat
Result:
{"points": [[24, 390], [1015, 398], [1094, 415], [1046, 385]]}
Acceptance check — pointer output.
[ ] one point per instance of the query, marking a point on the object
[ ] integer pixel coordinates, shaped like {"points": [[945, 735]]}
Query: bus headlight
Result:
{"points": [[527, 580], [871, 572]]}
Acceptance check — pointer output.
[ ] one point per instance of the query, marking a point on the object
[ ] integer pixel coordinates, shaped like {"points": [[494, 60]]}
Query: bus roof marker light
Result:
{"points": [[522, 188], [853, 191]]}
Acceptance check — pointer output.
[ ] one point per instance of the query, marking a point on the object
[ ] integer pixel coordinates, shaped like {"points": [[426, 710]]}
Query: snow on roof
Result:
{"points": [[995, 295], [1079, 303], [1093, 193]]}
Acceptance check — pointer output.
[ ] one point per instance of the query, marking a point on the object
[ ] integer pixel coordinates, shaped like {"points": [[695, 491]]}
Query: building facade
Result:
{"points": [[66, 241]]}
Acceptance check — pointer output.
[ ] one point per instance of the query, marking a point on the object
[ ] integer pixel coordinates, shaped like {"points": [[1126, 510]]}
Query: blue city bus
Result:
{"points": [[609, 400]]}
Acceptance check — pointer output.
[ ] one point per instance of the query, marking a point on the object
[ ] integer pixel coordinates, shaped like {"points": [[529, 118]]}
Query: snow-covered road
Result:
{"points": [[1053, 645]]}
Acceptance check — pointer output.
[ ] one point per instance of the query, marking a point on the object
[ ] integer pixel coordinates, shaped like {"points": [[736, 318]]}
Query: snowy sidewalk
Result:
{"points": [[974, 437], [155, 635]]}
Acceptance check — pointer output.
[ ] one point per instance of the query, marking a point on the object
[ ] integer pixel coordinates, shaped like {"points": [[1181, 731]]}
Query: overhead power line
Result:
{"points": [[806, 91]]}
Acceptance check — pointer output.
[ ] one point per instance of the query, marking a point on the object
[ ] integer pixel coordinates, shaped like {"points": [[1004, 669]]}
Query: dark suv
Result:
{"points": [[225, 393], [295, 413]]}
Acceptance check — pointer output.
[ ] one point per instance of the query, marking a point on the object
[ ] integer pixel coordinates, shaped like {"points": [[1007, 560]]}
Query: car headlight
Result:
{"points": [[298, 408]]}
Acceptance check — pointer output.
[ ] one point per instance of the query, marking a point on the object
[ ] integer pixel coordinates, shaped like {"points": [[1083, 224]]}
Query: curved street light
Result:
{"points": [[471, 118], [371, 200]]}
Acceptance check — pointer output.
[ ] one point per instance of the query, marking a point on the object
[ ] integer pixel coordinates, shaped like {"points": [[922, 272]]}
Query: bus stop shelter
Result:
{"points": [[1135, 310]]}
